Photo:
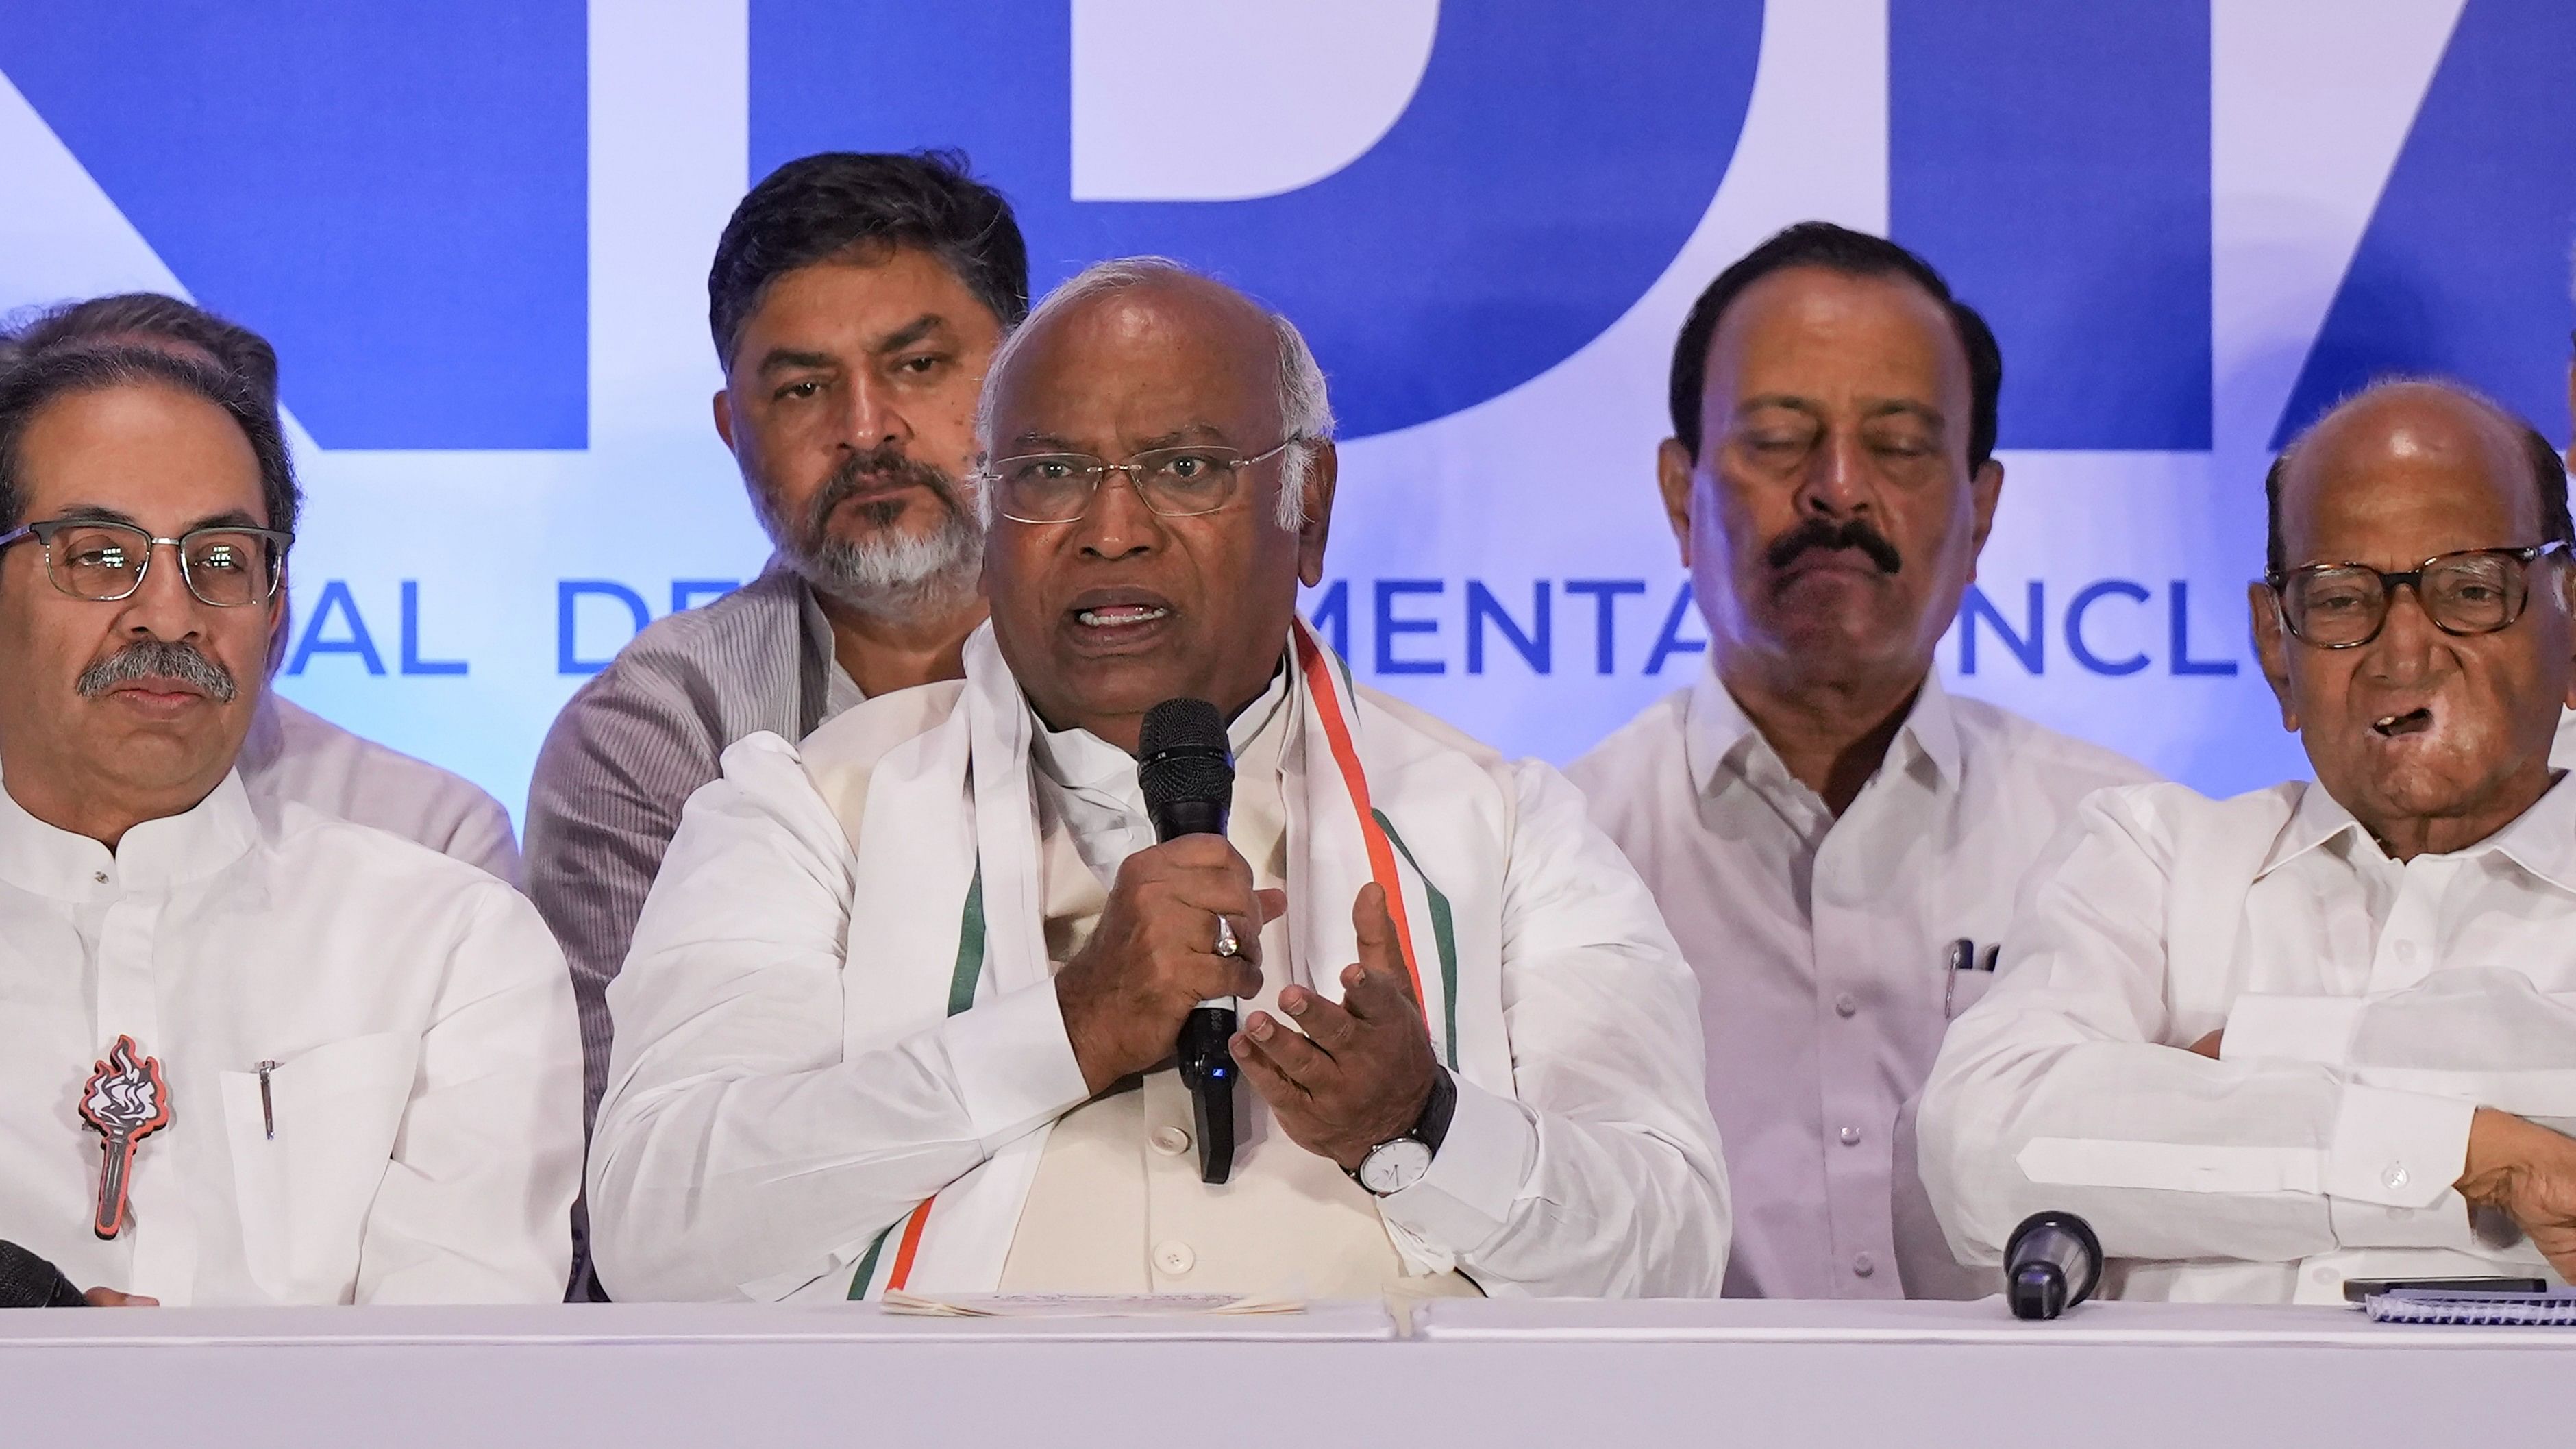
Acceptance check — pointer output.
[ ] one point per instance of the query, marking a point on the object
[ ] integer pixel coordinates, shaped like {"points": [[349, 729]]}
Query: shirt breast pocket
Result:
{"points": [[304, 1192], [1965, 989]]}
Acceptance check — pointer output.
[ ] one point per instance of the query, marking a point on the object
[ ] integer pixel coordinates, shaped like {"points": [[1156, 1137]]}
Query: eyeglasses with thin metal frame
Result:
{"points": [[1182, 482], [2471, 592], [225, 566]]}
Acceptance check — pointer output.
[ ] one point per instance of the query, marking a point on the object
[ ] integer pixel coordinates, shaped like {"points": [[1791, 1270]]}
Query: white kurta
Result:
{"points": [[426, 1095], [294, 754], [1116, 1204], [753, 1142], [1822, 946], [2369, 1008]]}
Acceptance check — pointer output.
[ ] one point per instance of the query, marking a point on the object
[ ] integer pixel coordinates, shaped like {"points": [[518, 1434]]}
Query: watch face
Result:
{"points": [[1392, 1167]]}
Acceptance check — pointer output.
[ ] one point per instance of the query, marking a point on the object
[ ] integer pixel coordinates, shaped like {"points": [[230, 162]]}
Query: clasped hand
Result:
{"points": [[2529, 1172], [1358, 1075]]}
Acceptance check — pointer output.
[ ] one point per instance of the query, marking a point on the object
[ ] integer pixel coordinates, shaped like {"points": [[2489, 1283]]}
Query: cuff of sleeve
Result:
{"points": [[1012, 1062], [2368, 1225], [2397, 1149], [1467, 1196], [2291, 1029]]}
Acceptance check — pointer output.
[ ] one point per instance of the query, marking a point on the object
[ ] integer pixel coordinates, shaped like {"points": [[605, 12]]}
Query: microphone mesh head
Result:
{"points": [[1182, 755], [1180, 724], [27, 1281]]}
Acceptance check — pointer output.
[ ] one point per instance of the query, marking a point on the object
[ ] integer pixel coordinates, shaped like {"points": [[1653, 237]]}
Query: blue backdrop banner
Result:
{"points": [[479, 232]]}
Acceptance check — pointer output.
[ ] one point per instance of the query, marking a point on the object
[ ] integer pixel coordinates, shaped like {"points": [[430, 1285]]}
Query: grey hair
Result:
{"points": [[1305, 405]]}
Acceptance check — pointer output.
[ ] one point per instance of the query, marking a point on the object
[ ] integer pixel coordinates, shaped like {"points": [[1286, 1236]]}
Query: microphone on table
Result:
{"points": [[27, 1281], [2051, 1263], [1186, 769]]}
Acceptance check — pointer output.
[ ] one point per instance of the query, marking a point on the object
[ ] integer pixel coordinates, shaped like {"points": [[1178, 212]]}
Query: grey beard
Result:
{"points": [[898, 576], [886, 576], [157, 659]]}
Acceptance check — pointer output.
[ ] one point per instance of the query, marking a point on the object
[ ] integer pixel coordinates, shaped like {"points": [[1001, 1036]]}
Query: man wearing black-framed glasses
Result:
{"points": [[2319, 1032], [328, 1064], [291, 753]]}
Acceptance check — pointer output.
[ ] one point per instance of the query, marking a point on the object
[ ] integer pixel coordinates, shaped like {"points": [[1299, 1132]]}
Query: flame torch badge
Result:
{"points": [[125, 1102]]}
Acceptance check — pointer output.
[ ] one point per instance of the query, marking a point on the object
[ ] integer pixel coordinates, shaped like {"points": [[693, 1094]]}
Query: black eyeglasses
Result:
{"points": [[2344, 606], [226, 567]]}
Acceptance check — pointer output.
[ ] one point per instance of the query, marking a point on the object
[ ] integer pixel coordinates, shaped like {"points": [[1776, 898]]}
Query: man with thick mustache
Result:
{"points": [[292, 753], [1822, 823], [2322, 1031], [854, 300], [902, 1008], [334, 1064]]}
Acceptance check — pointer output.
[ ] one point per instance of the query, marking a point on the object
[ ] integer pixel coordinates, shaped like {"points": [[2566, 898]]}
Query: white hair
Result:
{"points": [[1305, 407]]}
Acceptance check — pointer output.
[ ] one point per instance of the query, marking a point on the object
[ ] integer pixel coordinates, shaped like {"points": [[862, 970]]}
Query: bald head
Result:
{"points": [[1156, 305], [1179, 579], [2413, 426], [2427, 697], [1134, 312]]}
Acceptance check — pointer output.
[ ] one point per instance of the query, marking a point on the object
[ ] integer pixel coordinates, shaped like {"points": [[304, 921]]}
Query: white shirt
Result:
{"points": [[427, 1088], [2369, 1007], [1822, 947], [294, 754], [744, 1139]]}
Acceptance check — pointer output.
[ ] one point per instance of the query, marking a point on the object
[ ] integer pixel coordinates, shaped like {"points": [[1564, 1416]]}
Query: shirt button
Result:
{"points": [[1175, 1257], [1863, 1265], [1170, 1141], [1846, 1004], [2394, 1176], [2406, 952], [1851, 1137], [99, 876]]}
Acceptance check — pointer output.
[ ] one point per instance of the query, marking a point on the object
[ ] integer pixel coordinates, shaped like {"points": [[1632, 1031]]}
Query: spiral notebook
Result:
{"points": [[2554, 1309]]}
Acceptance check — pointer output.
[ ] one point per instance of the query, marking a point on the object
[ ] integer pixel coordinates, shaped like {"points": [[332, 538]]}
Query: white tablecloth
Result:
{"points": [[1480, 1373]]}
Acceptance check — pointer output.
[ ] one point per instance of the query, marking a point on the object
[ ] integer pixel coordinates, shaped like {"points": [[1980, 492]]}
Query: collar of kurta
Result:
{"points": [[840, 691], [1080, 760], [1718, 728], [2541, 840], [950, 816], [153, 856]]}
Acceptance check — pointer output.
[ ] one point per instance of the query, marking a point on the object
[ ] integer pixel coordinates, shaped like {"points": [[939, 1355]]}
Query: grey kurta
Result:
{"points": [[635, 742]]}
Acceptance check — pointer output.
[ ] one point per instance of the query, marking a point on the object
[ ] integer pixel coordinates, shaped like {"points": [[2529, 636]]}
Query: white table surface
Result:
{"points": [[1480, 1373]]}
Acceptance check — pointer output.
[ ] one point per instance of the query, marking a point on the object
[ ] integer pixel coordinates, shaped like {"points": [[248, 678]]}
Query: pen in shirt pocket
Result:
{"points": [[1962, 955]]}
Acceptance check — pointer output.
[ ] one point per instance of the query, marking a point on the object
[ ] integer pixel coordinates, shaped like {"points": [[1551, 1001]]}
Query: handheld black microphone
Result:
{"points": [[2051, 1263], [1186, 769], [27, 1281]]}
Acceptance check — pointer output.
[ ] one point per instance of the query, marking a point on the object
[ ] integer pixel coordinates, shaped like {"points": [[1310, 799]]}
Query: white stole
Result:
{"points": [[954, 810]]}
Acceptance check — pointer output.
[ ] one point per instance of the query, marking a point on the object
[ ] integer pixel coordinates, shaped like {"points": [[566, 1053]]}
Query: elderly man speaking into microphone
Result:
{"points": [[2322, 1031], [902, 1008]]}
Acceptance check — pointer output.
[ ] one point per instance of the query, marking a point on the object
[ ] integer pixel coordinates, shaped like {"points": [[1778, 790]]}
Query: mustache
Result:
{"points": [[157, 659], [884, 466], [1851, 533]]}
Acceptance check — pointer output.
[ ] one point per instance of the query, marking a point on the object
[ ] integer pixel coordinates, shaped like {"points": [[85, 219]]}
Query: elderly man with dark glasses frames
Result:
{"points": [[326, 1064], [2320, 1032]]}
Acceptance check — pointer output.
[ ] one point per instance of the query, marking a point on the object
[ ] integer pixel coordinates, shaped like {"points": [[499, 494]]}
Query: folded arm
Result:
{"points": [[2072, 1086]]}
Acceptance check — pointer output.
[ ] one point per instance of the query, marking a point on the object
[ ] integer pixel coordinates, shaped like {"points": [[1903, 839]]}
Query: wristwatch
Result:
{"points": [[1399, 1163]]}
